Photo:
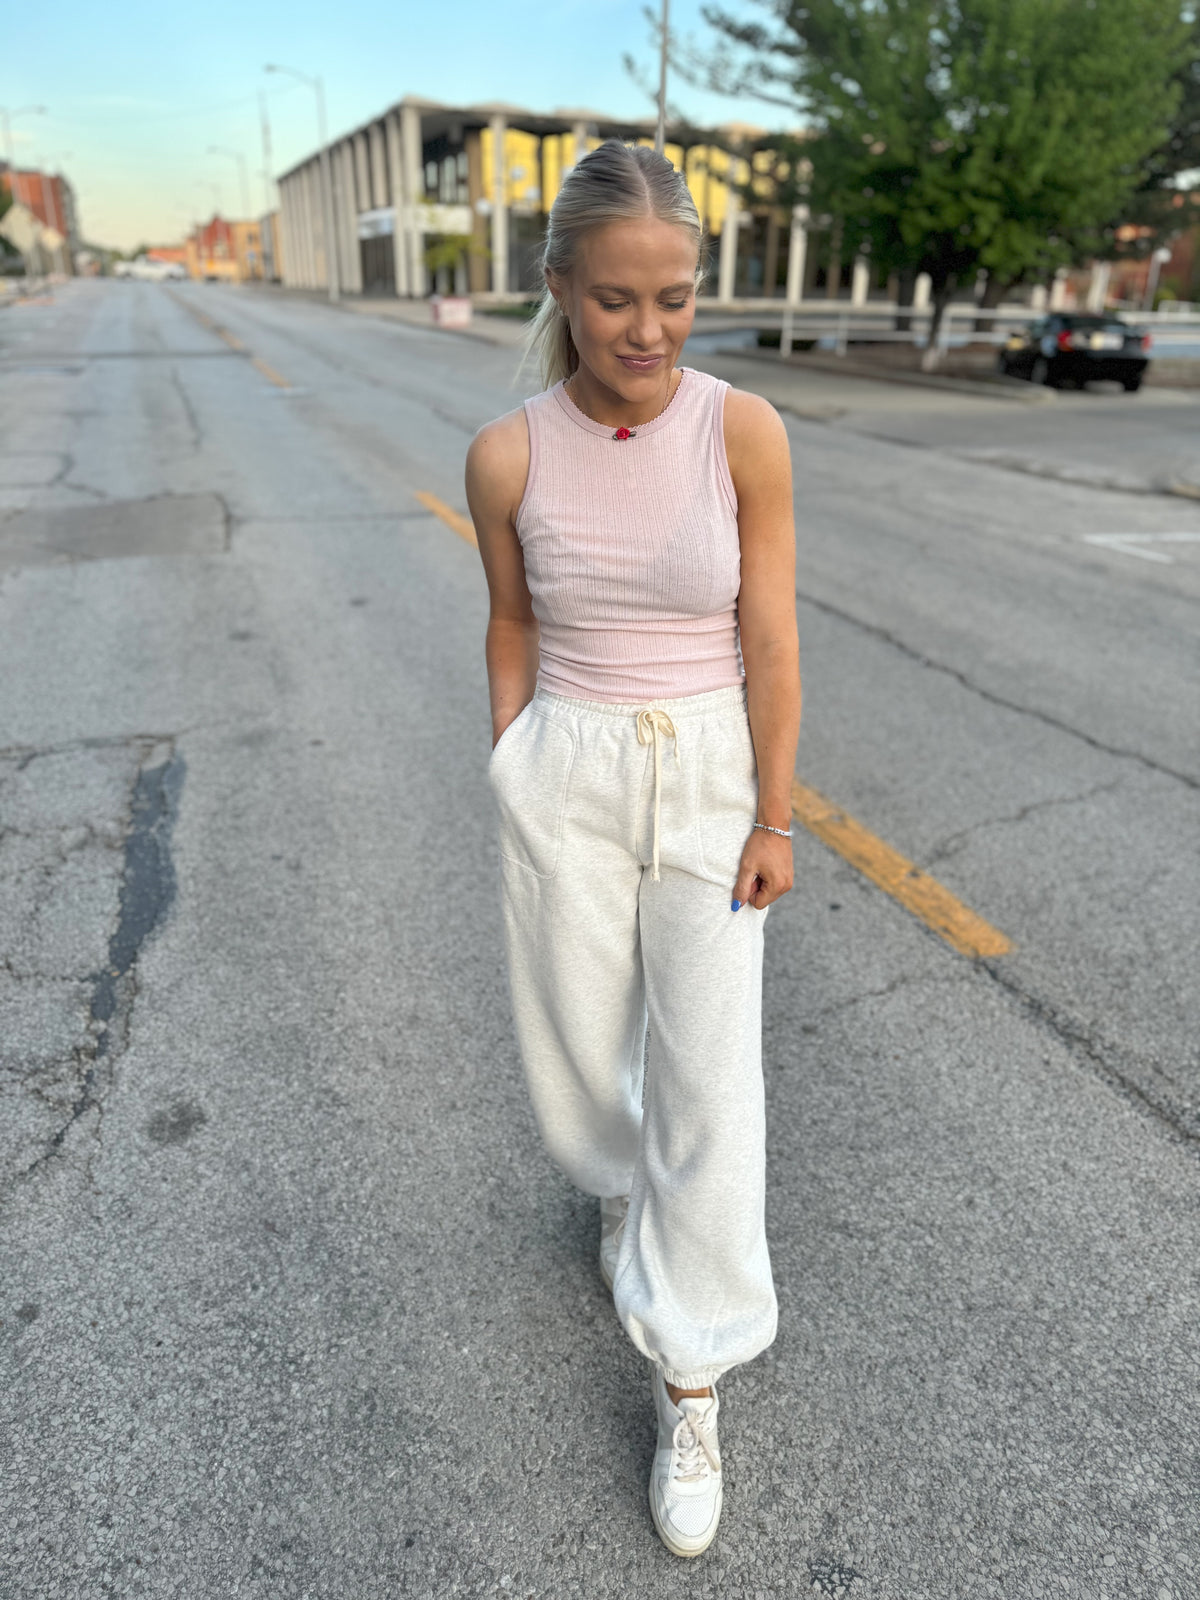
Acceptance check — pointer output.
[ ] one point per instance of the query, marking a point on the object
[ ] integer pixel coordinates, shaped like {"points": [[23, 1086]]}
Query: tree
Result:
{"points": [[1166, 200], [954, 135]]}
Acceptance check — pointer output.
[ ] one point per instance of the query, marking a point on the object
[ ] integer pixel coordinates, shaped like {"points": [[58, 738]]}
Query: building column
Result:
{"points": [[478, 274], [412, 164], [284, 224], [1098, 287], [727, 267], [337, 184], [286, 266], [797, 255], [379, 169], [860, 281], [499, 127], [314, 226], [293, 248], [360, 194], [579, 136], [395, 198], [311, 236], [347, 221]]}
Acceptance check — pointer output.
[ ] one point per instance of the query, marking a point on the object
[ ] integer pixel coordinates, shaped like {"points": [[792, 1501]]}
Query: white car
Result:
{"points": [[147, 270]]}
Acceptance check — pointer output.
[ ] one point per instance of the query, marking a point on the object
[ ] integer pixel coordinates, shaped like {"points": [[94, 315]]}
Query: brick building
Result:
{"points": [[231, 252], [51, 199]]}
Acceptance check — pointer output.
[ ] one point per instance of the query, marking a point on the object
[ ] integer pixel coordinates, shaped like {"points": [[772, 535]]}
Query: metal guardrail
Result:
{"points": [[866, 324]]}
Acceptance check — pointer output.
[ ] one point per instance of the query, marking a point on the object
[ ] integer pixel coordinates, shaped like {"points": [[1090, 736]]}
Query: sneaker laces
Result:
{"points": [[694, 1456]]}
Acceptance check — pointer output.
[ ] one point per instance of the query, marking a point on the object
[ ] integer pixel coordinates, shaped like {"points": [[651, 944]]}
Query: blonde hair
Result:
{"points": [[615, 182]]}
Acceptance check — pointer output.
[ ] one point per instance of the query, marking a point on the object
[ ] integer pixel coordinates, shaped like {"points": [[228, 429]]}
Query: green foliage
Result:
{"points": [[448, 249], [9, 254], [951, 135], [1157, 204]]}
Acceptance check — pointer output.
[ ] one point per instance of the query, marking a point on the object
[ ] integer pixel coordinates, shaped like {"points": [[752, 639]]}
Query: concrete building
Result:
{"points": [[431, 197]]}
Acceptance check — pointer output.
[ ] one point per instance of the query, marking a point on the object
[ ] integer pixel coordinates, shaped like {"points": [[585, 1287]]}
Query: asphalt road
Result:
{"points": [[293, 1304]]}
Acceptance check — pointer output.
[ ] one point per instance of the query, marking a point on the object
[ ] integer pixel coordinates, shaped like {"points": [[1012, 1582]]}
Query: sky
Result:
{"points": [[137, 93]]}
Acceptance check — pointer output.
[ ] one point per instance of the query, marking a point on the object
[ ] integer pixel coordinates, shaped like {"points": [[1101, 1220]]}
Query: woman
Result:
{"points": [[635, 525]]}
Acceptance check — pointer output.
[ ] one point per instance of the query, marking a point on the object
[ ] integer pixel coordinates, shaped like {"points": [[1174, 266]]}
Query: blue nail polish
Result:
{"points": [[735, 905]]}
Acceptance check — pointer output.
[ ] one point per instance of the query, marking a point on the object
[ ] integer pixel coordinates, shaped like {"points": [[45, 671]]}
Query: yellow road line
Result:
{"points": [[203, 318], [916, 891], [269, 373], [462, 526]]}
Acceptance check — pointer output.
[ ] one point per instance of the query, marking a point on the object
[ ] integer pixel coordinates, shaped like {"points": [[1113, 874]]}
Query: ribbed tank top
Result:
{"points": [[631, 548]]}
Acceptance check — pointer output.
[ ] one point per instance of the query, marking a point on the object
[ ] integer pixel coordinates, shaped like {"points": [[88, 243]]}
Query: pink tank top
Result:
{"points": [[631, 548]]}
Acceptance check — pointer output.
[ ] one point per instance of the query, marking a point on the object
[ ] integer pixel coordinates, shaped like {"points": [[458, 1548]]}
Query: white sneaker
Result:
{"points": [[685, 1481], [612, 1230]]}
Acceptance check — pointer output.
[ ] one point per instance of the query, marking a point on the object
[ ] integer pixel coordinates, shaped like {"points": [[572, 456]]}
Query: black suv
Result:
{"points": [[1075, 347]]}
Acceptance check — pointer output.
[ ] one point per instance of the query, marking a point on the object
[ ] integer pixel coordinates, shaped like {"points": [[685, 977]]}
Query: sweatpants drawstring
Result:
{"points": [[651, 723]]}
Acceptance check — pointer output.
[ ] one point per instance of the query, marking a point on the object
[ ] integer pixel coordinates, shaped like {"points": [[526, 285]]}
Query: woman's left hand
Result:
{"points": [[766, 871]]}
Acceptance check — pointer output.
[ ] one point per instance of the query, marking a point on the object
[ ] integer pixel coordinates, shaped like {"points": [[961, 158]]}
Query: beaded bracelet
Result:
{"points": [[784, 833]]}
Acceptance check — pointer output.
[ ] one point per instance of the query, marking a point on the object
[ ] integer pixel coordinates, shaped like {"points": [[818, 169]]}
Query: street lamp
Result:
{"points": [[318, 88], [215, 190], [6, 117], [236, 155]]}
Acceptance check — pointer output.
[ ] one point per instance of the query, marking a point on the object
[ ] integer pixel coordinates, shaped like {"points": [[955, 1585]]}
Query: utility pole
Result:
{"points": [[268, 162], [660, 138], [331, 261], [236, 155]]}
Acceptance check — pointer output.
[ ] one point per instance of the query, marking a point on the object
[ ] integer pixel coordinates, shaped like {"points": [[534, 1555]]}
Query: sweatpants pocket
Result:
{"points": [[530, 773], [727, 796]]}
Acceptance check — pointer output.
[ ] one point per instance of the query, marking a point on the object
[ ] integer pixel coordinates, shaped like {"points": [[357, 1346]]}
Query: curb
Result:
{"points": [[367, 307], [471, 332], [981, 388]]}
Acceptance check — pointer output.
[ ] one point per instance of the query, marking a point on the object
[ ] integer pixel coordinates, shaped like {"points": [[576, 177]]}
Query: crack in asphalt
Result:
{"points": [[1006, 461], [147, 890], [906, 980], [990, 695], [24, 754], [1098, 1058], [952, 841], [1181, 1118], [189, 411]]}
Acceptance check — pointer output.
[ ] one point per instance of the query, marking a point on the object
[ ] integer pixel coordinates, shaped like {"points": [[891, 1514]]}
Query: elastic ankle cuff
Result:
{"points": [[704, 1379]]}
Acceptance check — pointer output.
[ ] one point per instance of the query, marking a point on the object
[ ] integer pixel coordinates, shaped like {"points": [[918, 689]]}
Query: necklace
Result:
{"points": [[622, 433]]}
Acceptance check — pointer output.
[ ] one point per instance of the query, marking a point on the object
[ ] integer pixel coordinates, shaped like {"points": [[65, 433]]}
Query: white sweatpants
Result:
{"points": [[596, 945]]}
